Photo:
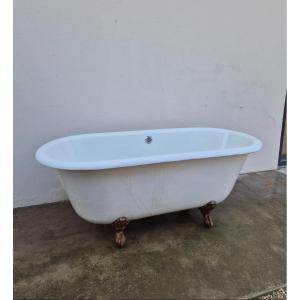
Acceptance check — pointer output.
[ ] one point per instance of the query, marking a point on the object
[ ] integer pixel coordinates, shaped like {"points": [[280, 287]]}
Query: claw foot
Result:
{"points": [[205, 210], [119, 225]]}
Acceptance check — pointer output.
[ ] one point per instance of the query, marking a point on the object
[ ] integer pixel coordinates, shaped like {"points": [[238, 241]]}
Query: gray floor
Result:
{"points": [[282, 170], [57, 255]]}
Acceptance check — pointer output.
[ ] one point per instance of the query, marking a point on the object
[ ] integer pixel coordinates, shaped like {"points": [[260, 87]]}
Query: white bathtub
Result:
{"points": [[126, 174]]}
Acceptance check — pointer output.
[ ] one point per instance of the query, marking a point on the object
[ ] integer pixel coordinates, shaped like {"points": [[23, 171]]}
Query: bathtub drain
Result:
{"points": [[148, 140]]}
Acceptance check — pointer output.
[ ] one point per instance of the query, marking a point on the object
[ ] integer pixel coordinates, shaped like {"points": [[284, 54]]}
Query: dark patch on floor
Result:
{"points": [[57, 255]]}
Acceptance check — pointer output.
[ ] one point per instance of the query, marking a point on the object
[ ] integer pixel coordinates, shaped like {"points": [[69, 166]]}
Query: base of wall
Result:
{"points": [[54, 195]]}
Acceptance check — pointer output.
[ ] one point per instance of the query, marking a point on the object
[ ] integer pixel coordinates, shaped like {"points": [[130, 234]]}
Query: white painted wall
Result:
{"points": [[109, 65]]}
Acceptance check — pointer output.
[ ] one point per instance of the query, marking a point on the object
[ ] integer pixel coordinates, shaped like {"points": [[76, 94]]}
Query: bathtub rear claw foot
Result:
{"points": [[205, 210], [119, 225]]}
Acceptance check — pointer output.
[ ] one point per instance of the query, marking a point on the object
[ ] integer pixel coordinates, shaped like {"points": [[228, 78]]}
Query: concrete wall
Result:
{"points": [[109, 65]]}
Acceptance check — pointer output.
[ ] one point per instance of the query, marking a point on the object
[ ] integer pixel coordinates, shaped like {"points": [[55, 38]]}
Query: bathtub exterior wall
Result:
{"points": [[143, 191], [95, 66]]}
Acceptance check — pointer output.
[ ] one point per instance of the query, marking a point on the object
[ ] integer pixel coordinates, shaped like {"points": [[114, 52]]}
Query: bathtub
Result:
{"points": [[120, 176]]}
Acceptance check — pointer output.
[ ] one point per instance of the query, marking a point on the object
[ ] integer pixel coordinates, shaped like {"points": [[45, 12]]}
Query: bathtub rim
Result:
{"points": [[45, 160]]}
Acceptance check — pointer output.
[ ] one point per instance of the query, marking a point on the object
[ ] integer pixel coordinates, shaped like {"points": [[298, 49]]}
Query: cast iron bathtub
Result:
{"points": [[120, 176]]}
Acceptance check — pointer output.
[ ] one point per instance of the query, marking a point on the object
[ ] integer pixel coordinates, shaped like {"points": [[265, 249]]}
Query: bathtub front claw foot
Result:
{"points": [[205, 210], [119, 225]]}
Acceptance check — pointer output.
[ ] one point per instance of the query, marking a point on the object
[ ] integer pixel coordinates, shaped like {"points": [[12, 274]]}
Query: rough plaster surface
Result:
{"points": [[93, 66]]}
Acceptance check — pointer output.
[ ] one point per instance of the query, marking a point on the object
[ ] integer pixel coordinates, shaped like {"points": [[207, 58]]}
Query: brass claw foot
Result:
{"points": [[205, 210], [119, 225]]}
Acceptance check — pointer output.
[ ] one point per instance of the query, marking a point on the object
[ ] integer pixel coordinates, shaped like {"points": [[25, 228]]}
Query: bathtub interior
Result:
{"points": [[107, 147]]}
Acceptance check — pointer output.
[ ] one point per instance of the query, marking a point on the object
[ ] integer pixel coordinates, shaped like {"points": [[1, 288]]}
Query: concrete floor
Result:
{"points": [[279, 294], [282, 170], [57, 255]]}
